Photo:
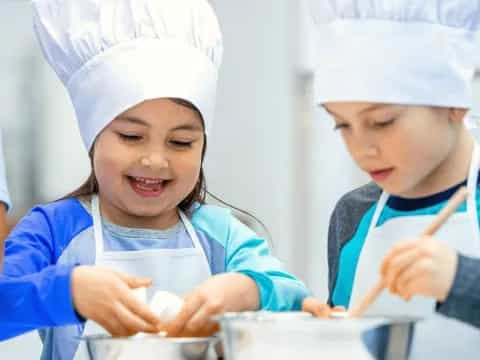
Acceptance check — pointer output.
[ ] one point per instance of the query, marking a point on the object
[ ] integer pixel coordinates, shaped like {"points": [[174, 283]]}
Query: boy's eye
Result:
{"points": [[382, 124], [340, 126], [129, 138]]}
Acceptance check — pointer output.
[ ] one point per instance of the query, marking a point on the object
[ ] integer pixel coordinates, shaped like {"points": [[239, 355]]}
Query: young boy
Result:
{"points": [[396, 77]]}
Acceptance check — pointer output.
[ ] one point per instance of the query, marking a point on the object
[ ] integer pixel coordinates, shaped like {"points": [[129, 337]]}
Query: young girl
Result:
{"points": [[142, 78], [396, 78]]}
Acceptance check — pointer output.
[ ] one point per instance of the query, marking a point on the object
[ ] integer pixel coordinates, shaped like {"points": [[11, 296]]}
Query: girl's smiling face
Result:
{"points": [[146, 161], [407, 150]]}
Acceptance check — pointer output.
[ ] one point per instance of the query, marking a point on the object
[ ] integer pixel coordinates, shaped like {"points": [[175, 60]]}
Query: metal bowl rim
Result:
{"points": [[108, 338], [266, 318]]}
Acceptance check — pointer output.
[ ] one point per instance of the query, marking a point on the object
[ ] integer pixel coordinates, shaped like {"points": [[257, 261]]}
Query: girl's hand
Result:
{"points": [[320, 309], [106, 297], [423, 266], [230, 292]]}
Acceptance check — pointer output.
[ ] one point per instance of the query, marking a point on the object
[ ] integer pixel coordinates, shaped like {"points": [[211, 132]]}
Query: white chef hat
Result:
{"points": [[413, 52], [114, 54]]}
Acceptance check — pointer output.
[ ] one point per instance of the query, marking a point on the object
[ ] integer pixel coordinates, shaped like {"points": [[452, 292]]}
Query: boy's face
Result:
{"points": [[402, 148]]}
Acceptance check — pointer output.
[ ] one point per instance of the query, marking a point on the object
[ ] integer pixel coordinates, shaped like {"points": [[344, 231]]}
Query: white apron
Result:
{"points": [[175, 270], [436, 337]]}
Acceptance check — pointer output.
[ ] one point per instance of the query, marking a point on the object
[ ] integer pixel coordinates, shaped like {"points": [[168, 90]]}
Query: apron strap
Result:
{"points": [[378, 210], [97, 227], [472, 190], [192, 233], [98, 233]]}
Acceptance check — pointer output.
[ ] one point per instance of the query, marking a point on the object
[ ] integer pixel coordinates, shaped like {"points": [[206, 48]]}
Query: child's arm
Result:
{"points": [[254, 280], [30, 247], [36, 292], [248, 254], [463, 300], [36, 301], [47, 299]]}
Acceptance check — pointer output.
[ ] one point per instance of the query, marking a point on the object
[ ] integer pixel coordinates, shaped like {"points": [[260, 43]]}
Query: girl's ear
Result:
{"points": [[457, 115]]}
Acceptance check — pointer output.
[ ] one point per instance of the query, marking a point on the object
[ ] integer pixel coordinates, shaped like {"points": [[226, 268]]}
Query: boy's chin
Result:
{"points": [[393, 189], [404, 192]]}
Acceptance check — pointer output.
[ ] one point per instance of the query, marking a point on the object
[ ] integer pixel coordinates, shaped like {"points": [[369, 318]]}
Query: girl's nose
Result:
{"points": [[154, 160]]}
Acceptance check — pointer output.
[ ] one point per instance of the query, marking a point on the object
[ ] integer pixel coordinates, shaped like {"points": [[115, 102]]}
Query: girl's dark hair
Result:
{"points": [[196, 196]]}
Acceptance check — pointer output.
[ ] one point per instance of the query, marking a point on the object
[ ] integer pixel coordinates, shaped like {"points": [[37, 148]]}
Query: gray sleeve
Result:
{"points": [[463, 301], [343, 224]]}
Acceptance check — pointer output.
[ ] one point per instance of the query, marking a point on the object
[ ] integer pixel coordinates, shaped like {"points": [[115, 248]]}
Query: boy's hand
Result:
{"points": [[422, 266]]}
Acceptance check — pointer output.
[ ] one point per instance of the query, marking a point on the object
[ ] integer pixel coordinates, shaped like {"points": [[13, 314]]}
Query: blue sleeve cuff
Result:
{"points": [[278, 293], [64, 309]]}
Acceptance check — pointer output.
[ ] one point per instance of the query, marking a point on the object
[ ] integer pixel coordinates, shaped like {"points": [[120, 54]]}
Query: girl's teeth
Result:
{"points": [[148, 181]]}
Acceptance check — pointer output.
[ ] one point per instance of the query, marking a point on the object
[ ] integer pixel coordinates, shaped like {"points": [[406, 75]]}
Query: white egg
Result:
{"points": [[166, 305]]}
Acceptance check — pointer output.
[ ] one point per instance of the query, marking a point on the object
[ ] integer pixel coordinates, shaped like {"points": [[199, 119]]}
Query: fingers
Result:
{"points": [[109, 322], [116, 329], [410, 281], [395, 251], [134, 282], [131, 321], [142, 312], [398, 265], [202, 317], [177, 326], [195, 318], [209, 330], [131, 314], [316, 308]]}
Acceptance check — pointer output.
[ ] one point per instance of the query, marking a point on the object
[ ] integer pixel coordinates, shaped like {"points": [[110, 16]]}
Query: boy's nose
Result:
{"points": [[371, 150]]}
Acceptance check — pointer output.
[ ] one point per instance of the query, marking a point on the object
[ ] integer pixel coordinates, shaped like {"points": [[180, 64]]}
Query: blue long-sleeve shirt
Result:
{"points": [[52, 239]]}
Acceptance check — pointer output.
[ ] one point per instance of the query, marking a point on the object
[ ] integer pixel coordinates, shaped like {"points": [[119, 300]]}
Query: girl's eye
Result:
{"points": [[181, 144], [129, 138]]}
